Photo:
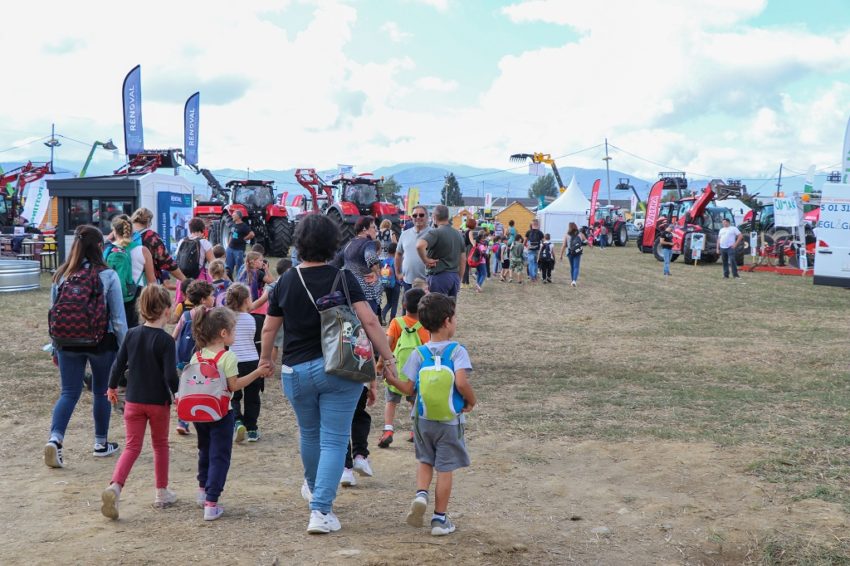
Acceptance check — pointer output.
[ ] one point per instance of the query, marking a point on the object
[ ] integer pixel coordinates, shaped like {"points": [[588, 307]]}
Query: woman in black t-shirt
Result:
{"points": [[322, 402]]}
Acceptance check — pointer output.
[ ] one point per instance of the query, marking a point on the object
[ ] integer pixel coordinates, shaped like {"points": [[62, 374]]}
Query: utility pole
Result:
{"points": [[52, 143], [607, 160], [779, 181], [249, 173]]}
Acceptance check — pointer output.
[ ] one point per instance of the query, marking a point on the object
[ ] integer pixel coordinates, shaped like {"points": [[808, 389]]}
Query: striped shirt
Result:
{"points": [[243, 344]]}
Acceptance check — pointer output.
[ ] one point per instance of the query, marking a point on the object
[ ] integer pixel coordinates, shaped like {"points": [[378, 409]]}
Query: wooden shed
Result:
{"points": [[521, 216], [457, 219]]}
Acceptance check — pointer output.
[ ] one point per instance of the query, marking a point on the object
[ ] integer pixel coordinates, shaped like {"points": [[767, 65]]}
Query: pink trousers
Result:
{"points": [[136, 418]]}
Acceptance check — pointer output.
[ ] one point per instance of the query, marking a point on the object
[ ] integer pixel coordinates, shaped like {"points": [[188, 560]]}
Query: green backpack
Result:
{"points": [[437, 398], [118, 259], [406, 344]]}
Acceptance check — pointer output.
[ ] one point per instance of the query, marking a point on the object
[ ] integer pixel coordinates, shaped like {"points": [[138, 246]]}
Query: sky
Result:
{"points": [[716, 88]]}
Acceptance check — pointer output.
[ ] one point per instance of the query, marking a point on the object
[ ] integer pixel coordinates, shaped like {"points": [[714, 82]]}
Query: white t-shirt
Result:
{"points": [[411, 264], [243, 343], [205, 247], [727, 236], [137, 259]]}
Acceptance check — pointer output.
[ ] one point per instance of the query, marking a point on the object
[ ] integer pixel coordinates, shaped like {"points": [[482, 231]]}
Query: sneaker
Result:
{"points": [[410, 436], [306, 494], [417, 511], [104, 450], [572, 283], [201, 497], [109, 501], [386, 439], [348, 479], [212, 511], [53, 454], [322, 523], [239, 432], [441, 528], [362, 467], [182, 428], [253, 435], [164, 498]]}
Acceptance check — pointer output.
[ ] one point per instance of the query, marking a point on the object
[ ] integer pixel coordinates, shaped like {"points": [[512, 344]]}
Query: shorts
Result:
{"points": [[440, 445], [516, 264], [395, 398], [506, 264]]}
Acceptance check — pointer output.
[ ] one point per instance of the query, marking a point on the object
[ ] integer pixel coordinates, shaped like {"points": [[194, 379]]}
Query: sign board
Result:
{"points": [[36, 203], [697, 245], [174, 210], [802, 258], [832, 255], [786, 212], [488, 203], [754, 244], [536, 169]]}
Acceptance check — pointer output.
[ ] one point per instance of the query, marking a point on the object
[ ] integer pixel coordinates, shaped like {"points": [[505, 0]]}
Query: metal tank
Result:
{"points": [[19, 275]]}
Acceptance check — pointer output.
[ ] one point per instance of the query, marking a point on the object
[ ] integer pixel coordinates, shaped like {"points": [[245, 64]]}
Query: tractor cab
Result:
{"points": [[253, 195], [361, 191], [608, 213]]}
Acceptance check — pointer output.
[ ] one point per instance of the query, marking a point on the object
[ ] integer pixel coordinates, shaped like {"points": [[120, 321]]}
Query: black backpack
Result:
{"points": [[576, 245], [546, 252], [189, 257]]}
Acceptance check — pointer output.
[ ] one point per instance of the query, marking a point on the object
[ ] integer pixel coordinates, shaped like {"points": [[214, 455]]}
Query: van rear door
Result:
{"points": [[832, 254]]}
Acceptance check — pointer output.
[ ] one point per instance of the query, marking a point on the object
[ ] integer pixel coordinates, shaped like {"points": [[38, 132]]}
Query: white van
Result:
{"points": [[832, 255]]}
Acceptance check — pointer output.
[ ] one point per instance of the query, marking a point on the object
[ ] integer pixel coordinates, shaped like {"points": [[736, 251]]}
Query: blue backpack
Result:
{"points": [[185, 341]]}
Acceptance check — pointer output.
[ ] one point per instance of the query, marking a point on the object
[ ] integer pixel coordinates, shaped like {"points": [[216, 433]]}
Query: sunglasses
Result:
{"points": [[418, 215]]}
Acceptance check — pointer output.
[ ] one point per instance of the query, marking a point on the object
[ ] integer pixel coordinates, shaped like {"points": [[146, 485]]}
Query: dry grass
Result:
{"points": [[757, 366]]}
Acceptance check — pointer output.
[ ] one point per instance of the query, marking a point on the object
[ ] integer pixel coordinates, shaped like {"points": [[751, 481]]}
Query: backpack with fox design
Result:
{"points": [[203, 396], [437, 398], [406, 344]]}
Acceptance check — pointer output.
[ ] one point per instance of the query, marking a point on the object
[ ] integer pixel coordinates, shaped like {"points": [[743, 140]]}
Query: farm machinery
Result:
{"points": [[345, 199], [780, 245], [255, 199], [690, 215], [613, 217], [12, 185], [541, 158]]}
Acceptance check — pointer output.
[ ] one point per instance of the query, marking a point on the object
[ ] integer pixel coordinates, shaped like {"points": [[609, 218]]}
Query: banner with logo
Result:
{"points": [[134, 138], [488, 203], [845, 157], [173, 212], [412, 200], [594, 199], [191, 115], [786, 213], [633, 202], [653, 204], [36, 202]]}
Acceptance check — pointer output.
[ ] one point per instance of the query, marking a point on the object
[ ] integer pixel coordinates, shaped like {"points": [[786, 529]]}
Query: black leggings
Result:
{"points": [[361, 425], [251, 395]]}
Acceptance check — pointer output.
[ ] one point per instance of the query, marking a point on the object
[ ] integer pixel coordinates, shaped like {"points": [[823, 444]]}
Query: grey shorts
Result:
{"points": [[440, 445], [395, 398]]}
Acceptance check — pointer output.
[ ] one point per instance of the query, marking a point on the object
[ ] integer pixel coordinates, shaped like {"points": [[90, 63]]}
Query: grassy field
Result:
{"points": [[717, 408]]}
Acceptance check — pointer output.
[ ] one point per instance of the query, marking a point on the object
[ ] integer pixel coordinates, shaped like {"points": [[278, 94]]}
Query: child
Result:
{"points": [[392, 288], [219, 252], [414, 334], [254, 274], [149, 354], [198, 293], [214, 332], [419, 283], [239, 301], [220, 282], [259, 248], [517, 253], [504, 254], [261, 305], [439, 419], [546, 259], [184, 305]]}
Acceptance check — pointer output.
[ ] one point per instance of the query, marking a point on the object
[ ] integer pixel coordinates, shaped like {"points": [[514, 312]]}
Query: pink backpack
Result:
{"points": [[203, 396]]}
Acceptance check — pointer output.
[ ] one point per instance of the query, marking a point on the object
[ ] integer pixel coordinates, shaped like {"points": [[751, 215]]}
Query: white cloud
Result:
{"points": [[394, 32], [439, 5], [436, 84]]}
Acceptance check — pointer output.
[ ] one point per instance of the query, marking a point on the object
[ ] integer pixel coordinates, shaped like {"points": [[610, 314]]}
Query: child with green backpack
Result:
{"points": [[439, 377], [404, 334]]}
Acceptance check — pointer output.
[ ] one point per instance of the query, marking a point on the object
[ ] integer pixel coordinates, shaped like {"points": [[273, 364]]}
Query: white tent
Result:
{"points": [[570, 206], [738, 208]]}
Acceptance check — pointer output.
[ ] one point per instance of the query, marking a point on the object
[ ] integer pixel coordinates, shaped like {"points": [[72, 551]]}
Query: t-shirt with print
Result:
{"points": [[237, 236], [243, 344], [666, 239], [534, 237], [446, 245], [227, 363], [460, 359], [301, 322]]}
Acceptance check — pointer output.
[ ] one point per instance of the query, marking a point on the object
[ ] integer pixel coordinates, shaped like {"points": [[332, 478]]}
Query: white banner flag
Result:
{"points": [[536, 169], [633, 202], [37, 201], [786, 213]]}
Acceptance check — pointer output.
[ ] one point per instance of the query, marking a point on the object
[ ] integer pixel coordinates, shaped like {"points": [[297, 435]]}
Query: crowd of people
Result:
{"points": [[233, 320]]}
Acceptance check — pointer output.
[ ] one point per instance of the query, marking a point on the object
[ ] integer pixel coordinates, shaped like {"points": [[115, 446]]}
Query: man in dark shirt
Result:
{"points": [[442, 252], [239, 236], [666, 240], [533, 238]]}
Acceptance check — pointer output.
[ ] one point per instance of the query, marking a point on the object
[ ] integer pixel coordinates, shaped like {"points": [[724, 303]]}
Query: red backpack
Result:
{"points": [[79, 316], [203, 396]]}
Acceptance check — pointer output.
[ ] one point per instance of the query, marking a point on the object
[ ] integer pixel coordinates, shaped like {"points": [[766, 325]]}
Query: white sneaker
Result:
{"points": [[201, 497], [164, 498], [362, 467], [53, 455], [417, 511], [573, 283], [109, 501], [347, 479], [321, 523], [306, 495]]}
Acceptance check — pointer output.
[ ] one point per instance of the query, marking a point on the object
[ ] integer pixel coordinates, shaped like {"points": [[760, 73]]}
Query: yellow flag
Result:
{"points": [[412, 199]]}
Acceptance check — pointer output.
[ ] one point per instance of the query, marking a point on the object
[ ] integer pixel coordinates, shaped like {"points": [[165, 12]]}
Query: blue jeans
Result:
{"points": [[603, 241], [729, 259], [481, 274], [391, 307], [667, 253], [72, 368], [575, 263], [324, 406], [233, 260], [532, 265]]}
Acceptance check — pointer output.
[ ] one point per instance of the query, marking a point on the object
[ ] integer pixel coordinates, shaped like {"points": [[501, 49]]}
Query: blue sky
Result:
{"points": [[720, 87]]}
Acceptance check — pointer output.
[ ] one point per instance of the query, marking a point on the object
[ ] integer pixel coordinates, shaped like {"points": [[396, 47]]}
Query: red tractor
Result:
{"points": [[256, 201], [346, 199], [12, 184], [612, 217]]}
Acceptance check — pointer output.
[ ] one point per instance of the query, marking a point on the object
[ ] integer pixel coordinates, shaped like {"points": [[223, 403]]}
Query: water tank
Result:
{"points": [[19, 275]]}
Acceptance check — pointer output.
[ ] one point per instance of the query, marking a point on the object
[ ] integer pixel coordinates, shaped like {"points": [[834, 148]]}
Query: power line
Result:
{"points": [[14, 147]]}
